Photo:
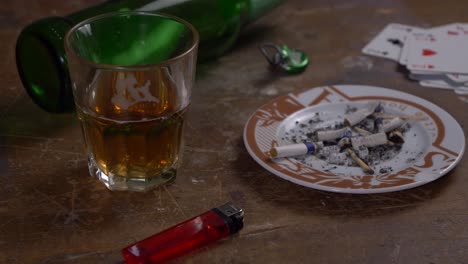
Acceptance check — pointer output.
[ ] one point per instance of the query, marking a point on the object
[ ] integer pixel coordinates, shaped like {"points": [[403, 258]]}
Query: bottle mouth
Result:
{"points": [[42, 67]]}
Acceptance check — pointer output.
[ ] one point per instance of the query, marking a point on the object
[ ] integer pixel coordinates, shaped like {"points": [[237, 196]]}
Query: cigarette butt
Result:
{"points": [[378, 108], [274, 152], [379, 124], [354, 118], [396, 137], [393, 124], [328, 135], [343, 142], [370, 140], [360, 162], [361, 131], [292, 150]]}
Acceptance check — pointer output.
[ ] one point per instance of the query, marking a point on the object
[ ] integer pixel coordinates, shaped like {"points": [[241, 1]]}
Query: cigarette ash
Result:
{"points": [[385, 170], [330, 151], [303, 132]]}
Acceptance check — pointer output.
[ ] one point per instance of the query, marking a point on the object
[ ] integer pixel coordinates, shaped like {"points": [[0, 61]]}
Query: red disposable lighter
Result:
{"points": [[194, 233]]}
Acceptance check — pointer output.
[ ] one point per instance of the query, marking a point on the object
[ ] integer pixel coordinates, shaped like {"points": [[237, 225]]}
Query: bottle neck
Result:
{"points": [[250, 10], [259, 7], [106, 7]]}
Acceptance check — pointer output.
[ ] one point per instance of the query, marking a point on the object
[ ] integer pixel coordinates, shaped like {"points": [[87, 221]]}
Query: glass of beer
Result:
{"points": [[132, 75]]}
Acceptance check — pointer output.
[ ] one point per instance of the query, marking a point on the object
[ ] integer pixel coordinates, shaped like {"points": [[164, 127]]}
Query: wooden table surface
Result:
{"points": [[51, 211]]}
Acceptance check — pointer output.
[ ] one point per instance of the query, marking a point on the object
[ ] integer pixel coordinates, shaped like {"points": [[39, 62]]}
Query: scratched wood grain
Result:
{"points": [[51, 211]]}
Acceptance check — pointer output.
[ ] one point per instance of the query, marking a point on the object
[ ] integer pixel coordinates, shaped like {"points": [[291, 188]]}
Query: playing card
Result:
{"points": [[438, 54], [462, 27], [458, 78], [441, 79], [407, 43], [389, 42], [404, 52], [463, 91], [450, 30], [440, 31], [426, 72], [422, 77], [436, 84]]}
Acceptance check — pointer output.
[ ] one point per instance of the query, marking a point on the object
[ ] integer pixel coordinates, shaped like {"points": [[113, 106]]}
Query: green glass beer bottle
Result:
{"points": [[40, 54]]}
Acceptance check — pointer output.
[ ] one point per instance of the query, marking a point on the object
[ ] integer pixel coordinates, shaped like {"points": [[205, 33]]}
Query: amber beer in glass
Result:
{"points": [[132, 75]]}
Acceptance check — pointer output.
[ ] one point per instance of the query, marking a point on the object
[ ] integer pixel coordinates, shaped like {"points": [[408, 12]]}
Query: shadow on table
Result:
{"points": [[23, 117], [111, 257], [283, 193]]}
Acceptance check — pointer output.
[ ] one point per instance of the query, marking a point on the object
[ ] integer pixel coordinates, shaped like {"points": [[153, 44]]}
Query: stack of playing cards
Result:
{"points": [[436, 57]]}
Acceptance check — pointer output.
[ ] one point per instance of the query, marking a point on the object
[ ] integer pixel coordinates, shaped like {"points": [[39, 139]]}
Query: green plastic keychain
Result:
{"points": [[288, 59]]}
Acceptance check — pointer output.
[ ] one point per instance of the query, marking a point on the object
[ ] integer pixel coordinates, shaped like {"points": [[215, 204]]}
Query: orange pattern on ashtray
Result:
{"points": [[428, 159], [277, 111], [305, 173]]}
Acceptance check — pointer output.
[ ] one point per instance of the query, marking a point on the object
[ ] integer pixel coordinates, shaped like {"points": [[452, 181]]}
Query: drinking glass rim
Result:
{"points": [[132, 67]]}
